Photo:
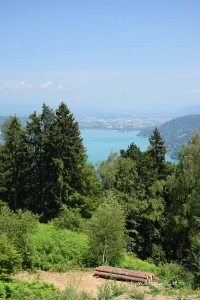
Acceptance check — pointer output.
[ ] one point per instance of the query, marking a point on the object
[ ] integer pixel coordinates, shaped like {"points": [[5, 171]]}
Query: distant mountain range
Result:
{"points": [[176, 132]]}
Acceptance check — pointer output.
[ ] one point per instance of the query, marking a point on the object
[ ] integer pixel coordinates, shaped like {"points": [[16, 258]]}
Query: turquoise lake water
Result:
{"points": [[99, 143]]}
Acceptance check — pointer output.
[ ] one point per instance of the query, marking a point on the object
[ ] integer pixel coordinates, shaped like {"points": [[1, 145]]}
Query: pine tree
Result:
{"points": [[69, 157], [157, 151], [13, 160], [35, 146]]}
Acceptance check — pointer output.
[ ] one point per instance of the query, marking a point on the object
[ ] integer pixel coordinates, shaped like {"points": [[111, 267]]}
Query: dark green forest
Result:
{"points": [[134, 202]]}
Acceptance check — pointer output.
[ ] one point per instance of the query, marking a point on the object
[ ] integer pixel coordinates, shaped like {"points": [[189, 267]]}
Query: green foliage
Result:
{"points": [[126, 177], [69, 218], [134, 263], [18, 228], [106, 232], [13, 163], [85, 204], [194, 257], [175, 275], [111, 290], [184, 211], [44, 163], [17, 290], [10, 260], [71, 293], [157, 151], [107, 171], [140, 185], [35, 290], [58, 249]]}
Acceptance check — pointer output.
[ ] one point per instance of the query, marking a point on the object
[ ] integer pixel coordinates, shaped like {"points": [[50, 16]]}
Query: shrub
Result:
{"points": [[10, 260], [17, 290], [69, 219], [2, 291], [175, 275], [58, 249], [18, 227], [194, 257], [134, 263]]}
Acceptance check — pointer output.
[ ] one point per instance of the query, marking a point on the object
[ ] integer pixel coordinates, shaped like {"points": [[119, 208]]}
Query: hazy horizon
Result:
{"points": [[100, 57]]}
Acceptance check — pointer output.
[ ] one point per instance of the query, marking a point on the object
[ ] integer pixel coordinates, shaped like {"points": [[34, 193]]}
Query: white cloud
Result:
{"points": [[47, 85], [54, 86], [195, 91], [15, 85]]}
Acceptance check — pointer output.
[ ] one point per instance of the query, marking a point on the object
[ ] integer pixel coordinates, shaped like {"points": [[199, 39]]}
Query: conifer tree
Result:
{"points": [[68, 155], [14, 164], [35, 146], [157, 150], [43, 165]]}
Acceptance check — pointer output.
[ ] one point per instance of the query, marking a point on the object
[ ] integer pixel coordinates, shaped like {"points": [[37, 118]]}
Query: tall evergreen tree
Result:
{"points": [[14, 164], [58, 158], [67, 157], [47, 119], [35, 146], [157, 151]]}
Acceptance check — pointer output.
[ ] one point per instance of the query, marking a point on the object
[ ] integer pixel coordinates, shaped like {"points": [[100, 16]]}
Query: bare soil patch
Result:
{"points": [[85, 281]]}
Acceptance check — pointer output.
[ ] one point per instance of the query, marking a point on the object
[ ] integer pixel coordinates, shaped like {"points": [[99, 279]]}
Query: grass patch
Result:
{"points": [[71, 293], [110, 290]]}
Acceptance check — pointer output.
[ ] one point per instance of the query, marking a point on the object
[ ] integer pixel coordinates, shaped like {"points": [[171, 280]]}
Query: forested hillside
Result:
{"points": [[134, 202], [177, 132]]}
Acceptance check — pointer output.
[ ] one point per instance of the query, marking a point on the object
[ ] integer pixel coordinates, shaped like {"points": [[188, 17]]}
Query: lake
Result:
{"points": [[99, 143]]}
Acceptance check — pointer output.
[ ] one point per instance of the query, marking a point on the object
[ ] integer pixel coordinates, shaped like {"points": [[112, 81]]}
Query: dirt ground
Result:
{"points": [[85, 281]]}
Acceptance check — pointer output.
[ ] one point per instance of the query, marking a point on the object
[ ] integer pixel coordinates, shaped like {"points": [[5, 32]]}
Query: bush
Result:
{"points": [[2, 291], [17, 290], [194, 257], [134, 263], [69, 219], [18, 227], [175, 275], [58, 249], [10, 260]]}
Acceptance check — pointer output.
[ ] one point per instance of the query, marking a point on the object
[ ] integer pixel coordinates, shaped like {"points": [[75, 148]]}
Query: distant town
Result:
{"points": [[121, 123]]}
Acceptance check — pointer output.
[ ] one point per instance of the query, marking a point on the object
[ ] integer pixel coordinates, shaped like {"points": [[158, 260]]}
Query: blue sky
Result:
{"points": [[97, 56]]}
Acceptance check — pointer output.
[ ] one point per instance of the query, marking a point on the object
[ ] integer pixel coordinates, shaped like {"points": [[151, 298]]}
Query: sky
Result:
{"points": [[99, 56]]}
